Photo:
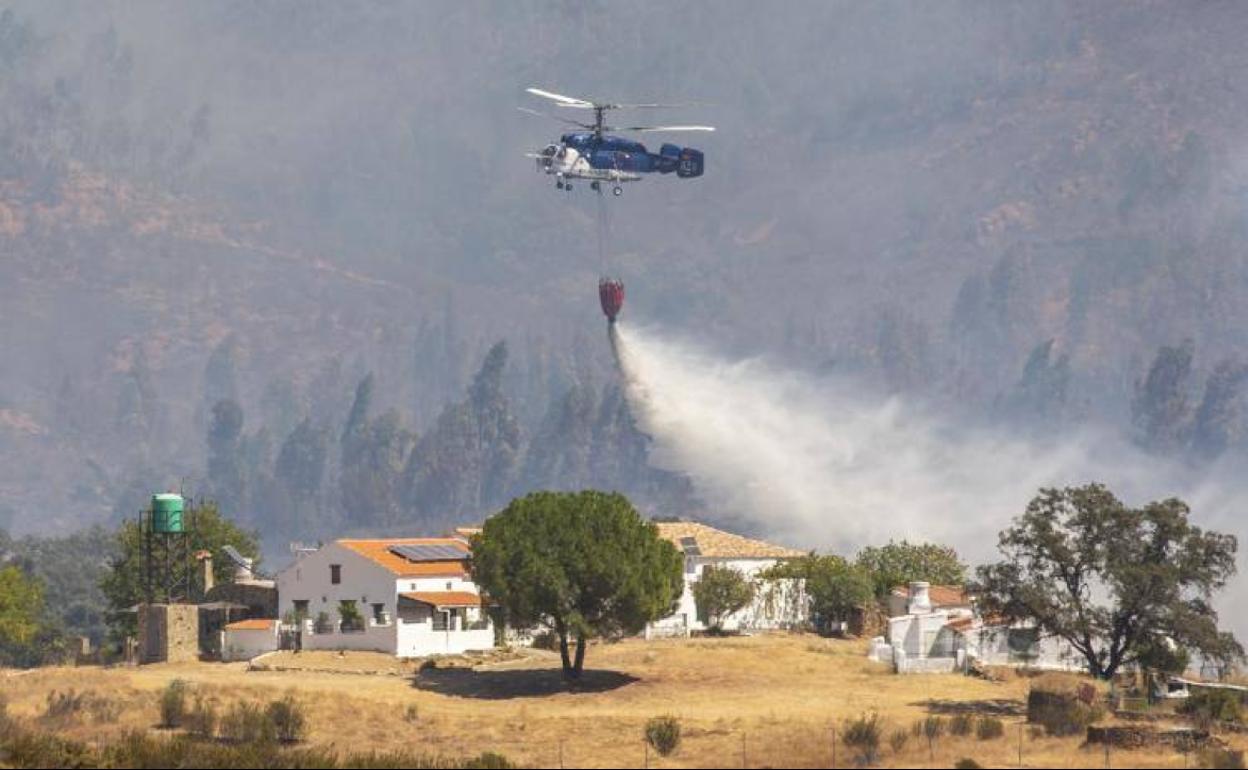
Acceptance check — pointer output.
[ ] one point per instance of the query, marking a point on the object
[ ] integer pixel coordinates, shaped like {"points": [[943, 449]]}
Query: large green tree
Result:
{"points": [[208, 531], [833, 586], [1112, 580], [897, 564], [583, 564]]}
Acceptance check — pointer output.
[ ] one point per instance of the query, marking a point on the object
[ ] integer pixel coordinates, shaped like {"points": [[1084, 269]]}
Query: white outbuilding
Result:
{"points": [[777, 604], [410, 597]]}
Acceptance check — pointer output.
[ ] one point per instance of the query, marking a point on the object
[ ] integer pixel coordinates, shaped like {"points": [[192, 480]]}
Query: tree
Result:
{"points": [[21, 606], [1160, 409], [227, 471], [833, 586], [720, 592], [583, 564], [1112, 580], [209, 531], [467, 462], [897, 564], [1216, 422]]}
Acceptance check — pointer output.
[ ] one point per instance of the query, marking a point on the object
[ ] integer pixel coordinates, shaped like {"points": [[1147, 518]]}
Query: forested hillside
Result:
{"points": [[291, 255]]}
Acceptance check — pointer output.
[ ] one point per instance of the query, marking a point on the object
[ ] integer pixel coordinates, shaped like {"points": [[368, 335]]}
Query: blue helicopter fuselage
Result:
{"points": [[617, 153]]}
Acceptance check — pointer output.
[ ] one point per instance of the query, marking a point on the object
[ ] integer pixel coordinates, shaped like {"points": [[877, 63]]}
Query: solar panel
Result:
{"points": [[690, 546], [419, 553]]}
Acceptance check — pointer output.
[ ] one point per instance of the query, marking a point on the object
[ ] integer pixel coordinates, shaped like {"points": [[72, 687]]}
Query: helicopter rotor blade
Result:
{"points": [[563, 101], [645, 129], [528, 111]]}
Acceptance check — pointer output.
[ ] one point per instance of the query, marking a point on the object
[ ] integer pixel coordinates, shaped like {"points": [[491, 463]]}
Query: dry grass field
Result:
{"points": [[769, 701]]}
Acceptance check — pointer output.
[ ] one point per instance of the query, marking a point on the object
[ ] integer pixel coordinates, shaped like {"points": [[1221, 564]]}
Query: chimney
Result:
{"points": [[205, 560], [920, 598]]}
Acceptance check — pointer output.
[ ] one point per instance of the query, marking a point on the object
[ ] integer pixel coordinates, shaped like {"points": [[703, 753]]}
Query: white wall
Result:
{"points": [[782, 608], [363, 581], [245, 644]]}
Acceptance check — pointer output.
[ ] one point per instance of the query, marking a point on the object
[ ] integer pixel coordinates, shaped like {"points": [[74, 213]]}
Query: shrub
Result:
{"points": [[287, 718], [1222, 758], [989, 728], [247, 723], [966, 764], [61, 706], [932, 728], [489, 760], [961, 724], [863, 735], [201, 720], [1060, 704], [173, 704], [1210, 705], [663, 734], [412, 714], [897, 740]]}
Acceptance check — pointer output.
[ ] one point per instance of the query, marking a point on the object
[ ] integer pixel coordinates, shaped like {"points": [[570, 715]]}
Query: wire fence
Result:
{"points": [[1021, 745]]}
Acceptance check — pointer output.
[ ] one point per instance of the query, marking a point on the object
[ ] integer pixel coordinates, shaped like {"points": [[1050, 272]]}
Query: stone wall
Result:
{"points": [[168, 633]]}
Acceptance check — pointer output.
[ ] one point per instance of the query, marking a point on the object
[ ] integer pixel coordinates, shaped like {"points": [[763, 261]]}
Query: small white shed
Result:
{"points": [[246, 639]]}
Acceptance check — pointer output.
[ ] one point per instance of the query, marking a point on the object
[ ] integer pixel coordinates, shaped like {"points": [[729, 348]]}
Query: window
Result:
{"points": [[441, 620], [335, 573], [380, 618]]}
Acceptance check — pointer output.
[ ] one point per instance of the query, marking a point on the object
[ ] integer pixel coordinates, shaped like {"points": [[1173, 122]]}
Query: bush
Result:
{"points": [[173, 704], [247, 723], [897, 740], [201, 721], [1222, 758], [989, 728], [62, 706], [1061, 705], [287, 718], [863, 735], [932, 728], [663, 734], [1207, 705], [966, 764], [961, 725]]}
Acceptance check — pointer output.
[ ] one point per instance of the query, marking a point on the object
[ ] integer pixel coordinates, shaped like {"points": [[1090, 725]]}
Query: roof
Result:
{"points": [[941, 596], [960, 624], [254, 624], [716, 544], [445, 598], [378, 552]]}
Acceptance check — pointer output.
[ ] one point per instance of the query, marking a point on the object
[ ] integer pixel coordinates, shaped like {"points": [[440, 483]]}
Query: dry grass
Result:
{"points": [[775, 699]]}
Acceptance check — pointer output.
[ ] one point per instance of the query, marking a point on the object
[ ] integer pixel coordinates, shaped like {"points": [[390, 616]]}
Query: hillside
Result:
{"points": [[914, 197]]}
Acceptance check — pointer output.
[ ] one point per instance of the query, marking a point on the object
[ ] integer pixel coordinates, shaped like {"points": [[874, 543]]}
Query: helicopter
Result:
{"points": [[593, 154]]}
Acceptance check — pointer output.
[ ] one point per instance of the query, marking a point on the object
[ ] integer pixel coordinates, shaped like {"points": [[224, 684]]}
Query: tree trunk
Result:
{"points": [[580, 657], [565, 655]]}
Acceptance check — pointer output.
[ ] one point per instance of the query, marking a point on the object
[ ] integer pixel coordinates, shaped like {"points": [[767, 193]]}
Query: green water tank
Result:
{"points": [[167, 514]]}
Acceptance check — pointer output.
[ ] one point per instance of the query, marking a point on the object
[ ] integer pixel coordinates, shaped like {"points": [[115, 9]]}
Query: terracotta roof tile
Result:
{"points": [[254, 624], [445, 598], [717, 544], [378, 551], [941, 596]]}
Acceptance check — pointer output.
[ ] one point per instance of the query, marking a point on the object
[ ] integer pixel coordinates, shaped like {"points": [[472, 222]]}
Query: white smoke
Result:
{"points": [[816, 463]]}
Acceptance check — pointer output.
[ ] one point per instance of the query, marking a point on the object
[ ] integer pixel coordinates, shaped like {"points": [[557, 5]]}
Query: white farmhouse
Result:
{"points": [[775, 605], [410, 597], [935, 629]]}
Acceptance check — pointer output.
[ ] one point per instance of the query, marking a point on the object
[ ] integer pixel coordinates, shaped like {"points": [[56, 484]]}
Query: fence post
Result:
{"points": [[745, 762], [833, 747], [1020, 744], [561, 754]]}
